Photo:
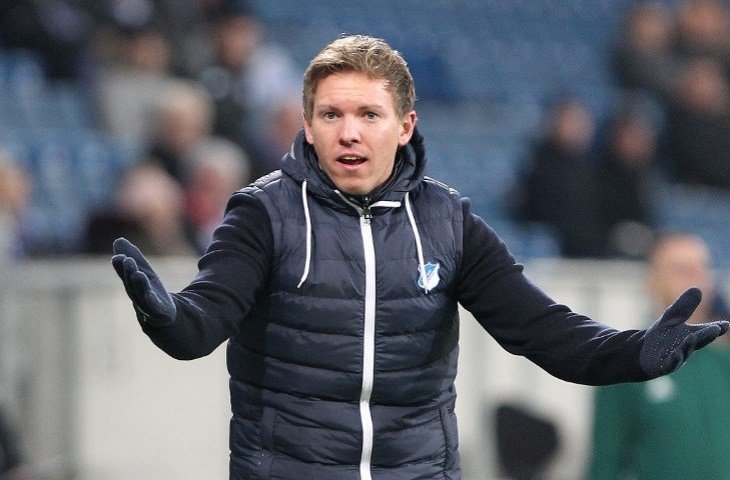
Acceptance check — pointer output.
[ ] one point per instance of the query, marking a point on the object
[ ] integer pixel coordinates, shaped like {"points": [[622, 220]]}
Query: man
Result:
{"points": [[336, 282], [677, 426]]}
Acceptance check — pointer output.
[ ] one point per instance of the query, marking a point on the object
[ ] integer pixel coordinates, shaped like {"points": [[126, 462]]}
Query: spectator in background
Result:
{"points": [[557, 188], [216, 170], [182, 122], [704, 31], [57, 30], [149, 207], [678, 426], [136, 76], [698, 126], [276, 140], [184, 24], [644, 58], [625, 178], [15, 189], [248, 80]]}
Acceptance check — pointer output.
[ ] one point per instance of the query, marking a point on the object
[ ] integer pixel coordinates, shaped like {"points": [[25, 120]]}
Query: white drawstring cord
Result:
{"points": [[411, 219], [308, 221], [419, 248]]}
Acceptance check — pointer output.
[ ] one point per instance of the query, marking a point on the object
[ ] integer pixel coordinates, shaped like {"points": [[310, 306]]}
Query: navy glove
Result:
{"points": [[151, 300], [669, 341]]}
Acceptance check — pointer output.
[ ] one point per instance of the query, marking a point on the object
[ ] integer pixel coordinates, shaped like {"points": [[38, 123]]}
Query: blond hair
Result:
{"points": [[362, 54]]}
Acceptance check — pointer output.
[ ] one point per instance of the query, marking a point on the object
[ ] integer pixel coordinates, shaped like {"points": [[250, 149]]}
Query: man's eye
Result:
{"points": [[329, 116], [371, 115]]}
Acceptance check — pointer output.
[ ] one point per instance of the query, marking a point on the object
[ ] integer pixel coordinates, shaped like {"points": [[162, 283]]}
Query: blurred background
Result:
{"points": [[580, 129]]}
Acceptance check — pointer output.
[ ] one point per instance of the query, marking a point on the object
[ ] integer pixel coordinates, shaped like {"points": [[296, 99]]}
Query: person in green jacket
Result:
{"points": [[676, 426]]}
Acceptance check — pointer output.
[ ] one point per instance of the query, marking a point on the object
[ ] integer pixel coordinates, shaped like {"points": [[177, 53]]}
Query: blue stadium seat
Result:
{"points": [[74, 172], [16, 143], [527, 242], [21, 73]]}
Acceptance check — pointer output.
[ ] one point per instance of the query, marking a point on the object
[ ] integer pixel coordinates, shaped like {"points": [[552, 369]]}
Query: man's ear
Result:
{"points": [[408, 124], [307, 129]]}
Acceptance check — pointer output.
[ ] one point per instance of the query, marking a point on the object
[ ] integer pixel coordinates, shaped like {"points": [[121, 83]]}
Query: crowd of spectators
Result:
{"points": [[681, 58], [196, 81], [595, 181], [212, 104], [593, 184], [208, 124]]}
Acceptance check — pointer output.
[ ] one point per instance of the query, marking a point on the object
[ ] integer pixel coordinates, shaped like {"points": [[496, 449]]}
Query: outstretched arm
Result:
{"points": [[527, 322], [194, 322]]}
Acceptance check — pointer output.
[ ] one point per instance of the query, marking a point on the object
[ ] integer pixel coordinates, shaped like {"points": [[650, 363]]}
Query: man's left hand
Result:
{"points": [[670, 341]]}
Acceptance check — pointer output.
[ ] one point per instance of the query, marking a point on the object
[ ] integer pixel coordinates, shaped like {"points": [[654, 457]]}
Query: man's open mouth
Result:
{"points": [[351, 160]]}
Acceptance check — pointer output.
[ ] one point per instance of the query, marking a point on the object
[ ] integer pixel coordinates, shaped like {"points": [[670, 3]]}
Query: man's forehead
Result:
{"points": [[353, 88], [350, 77]]}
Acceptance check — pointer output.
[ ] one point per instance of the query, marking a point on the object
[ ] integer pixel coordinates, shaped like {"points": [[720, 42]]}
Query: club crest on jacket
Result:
{"points": [[431, 270]]}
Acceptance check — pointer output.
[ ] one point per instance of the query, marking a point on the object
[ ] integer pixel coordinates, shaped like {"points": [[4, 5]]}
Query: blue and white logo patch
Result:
{"points": [[431, 271]]}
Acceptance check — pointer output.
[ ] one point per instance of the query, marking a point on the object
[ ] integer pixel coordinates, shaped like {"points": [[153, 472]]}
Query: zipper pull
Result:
{"points": [[366, 213]]}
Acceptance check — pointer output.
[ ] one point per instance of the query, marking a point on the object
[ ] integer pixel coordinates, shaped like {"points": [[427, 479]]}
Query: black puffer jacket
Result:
{"points": [[351, 358]]}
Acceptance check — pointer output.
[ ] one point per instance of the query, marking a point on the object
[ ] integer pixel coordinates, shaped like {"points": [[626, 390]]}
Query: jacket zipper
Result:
{"points": [[368, 345], [368, 357]]}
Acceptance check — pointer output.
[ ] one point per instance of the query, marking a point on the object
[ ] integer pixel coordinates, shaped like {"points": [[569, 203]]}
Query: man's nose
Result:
{"points": [[349, 131]]}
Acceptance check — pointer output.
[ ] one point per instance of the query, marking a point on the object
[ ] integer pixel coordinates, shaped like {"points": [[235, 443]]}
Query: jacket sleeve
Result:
{"points": [[527, 322], [231, 274]]}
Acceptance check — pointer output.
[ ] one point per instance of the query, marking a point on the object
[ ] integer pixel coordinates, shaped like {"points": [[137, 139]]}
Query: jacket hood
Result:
{"points": [[301, 164]]}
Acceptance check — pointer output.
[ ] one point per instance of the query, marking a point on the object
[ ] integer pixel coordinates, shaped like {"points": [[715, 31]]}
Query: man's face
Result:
{"points": [[355, 131]]}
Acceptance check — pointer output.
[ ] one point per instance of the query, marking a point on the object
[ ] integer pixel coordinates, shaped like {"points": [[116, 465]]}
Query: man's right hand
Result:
{"points": [[152, 302]]}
